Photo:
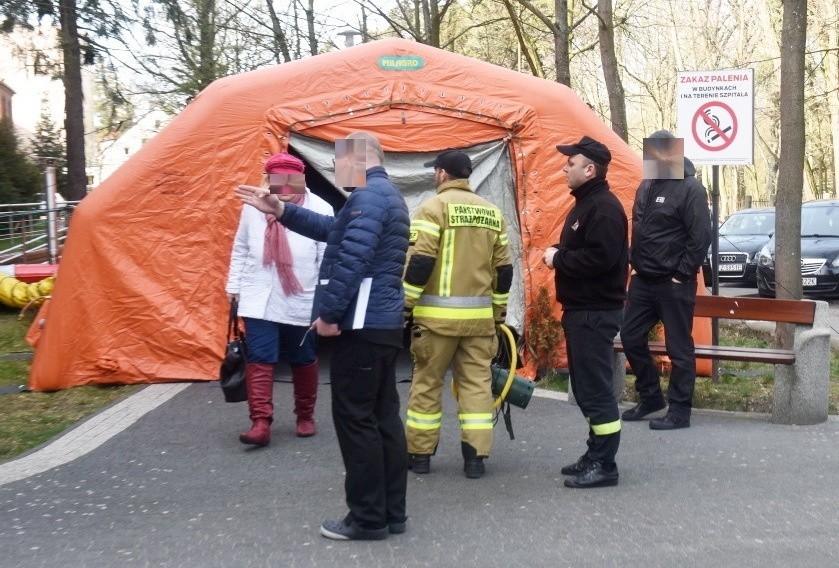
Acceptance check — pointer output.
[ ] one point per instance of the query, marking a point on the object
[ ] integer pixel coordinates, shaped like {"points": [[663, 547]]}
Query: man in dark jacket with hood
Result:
{"points": [[366, 247], [590, 264], [671, 232]]}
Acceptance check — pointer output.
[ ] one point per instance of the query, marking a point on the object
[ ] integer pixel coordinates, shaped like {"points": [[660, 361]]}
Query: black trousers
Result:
{"points": [[371, 435], [589, 340], [673, 305]]}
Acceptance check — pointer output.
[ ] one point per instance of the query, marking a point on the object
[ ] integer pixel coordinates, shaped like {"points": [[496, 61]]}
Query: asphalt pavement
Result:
{"points": [[160, 479]]}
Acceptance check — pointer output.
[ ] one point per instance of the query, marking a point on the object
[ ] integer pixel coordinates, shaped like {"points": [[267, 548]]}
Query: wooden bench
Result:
{"points": [[802, 374]]}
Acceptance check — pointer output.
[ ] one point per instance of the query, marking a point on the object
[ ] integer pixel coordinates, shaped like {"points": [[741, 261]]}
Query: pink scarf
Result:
{"points": [[277, 252]]}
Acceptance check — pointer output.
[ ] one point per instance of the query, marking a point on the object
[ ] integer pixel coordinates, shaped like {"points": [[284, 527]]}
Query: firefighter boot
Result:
{"points": [[260, 380], [305, 381], [473, 464]]}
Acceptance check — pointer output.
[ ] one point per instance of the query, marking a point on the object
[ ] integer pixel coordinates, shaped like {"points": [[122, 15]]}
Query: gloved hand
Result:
{"points": [[409, 318]]}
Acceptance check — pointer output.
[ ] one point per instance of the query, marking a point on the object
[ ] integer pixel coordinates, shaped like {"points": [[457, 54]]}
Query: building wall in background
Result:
{"points": [[28, 66], [6, 94], [30, 83]]}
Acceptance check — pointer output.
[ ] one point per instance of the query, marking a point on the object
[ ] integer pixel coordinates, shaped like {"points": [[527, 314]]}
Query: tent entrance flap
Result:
{"points": [[492, 179]]}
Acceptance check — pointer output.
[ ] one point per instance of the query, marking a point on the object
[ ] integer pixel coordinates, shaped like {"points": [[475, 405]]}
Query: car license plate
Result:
{"points": [[811, 281], [731, 268]]}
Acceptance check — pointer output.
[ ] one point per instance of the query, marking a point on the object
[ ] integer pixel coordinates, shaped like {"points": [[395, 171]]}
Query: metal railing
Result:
{"points": [[25, 234], [750, 203]]}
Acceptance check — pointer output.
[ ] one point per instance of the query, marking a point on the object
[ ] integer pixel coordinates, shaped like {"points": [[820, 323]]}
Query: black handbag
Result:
{"points": [[232, 370]]}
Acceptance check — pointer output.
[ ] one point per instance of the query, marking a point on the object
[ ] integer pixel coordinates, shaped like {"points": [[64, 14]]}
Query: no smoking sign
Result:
{"points": [[714, 126], [716, 116]]}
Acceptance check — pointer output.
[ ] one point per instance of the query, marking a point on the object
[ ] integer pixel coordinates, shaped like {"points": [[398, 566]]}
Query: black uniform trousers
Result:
{"points": [[673, 304], [371, 435], [589, 340]]}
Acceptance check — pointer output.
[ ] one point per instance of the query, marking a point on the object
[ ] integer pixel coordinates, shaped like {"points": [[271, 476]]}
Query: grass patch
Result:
{"points": [[555, 381], [743, 387], [28, 419]]}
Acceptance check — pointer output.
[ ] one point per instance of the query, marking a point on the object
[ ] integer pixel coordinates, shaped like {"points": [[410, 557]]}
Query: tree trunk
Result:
{"points": [[207, 63], [791, 173], [310, 25], [280, 41], [73, 101], [611, 72], [525, 43], [560, 30], [431, 17], [832, 63], [562, 56]]}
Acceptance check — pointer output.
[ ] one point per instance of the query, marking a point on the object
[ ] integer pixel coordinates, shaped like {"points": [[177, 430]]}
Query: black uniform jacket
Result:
{"points": [[591, 262], [671, 228]]}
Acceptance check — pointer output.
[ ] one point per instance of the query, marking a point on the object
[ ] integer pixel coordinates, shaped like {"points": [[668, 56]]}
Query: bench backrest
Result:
{"points": [[762, 309]]}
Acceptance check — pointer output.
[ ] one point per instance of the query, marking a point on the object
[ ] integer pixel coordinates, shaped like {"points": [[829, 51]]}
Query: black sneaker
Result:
{"points": [[670, 422], [419, 463], [594, 476], [349, 530], [474, 467], [577, 467], [642, 409]]}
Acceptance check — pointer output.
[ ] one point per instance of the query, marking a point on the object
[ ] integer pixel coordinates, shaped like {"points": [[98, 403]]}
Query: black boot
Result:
{"points": [[642, 409], [473, 464], [419, 463], [577, 467], [595, 475]]}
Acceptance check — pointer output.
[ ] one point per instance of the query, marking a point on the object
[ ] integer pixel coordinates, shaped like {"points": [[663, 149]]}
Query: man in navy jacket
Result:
{"points": [[366, 245]]}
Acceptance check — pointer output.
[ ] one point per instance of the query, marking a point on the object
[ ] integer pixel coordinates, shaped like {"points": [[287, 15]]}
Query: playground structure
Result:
{"points": [[29, 250]]}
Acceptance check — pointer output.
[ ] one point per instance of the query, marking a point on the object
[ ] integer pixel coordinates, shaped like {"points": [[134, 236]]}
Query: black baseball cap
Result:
{"points": [[455, 163], [590, 148]]}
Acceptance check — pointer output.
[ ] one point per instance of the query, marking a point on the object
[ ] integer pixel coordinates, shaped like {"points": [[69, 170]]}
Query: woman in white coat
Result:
{"points": [[273, 273]]}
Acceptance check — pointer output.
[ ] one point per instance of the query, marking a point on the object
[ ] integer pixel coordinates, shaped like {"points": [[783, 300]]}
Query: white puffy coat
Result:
{"points": [[260, 292]]}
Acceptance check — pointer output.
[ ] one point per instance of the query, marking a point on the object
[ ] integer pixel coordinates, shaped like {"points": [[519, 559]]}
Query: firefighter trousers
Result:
{"points": [[589, 339], [469, 358]]}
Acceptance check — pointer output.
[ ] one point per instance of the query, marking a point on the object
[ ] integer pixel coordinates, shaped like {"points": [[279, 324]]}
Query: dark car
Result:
{"points": [[819, 252], [740, 239]]}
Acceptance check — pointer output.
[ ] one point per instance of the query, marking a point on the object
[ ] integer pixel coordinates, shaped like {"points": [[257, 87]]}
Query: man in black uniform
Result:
{"points": [[591, 268], [671, 232]]}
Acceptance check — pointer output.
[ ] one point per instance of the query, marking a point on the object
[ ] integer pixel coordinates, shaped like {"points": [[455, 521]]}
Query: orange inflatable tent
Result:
{"points": [[139, 295]]}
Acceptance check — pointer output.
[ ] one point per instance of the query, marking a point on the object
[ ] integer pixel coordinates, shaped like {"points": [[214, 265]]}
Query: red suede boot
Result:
{"points": [[260, 380], [305, 381]]}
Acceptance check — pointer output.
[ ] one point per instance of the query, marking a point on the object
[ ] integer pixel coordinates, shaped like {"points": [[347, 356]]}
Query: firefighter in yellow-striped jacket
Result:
{"points": [[457, 281]]}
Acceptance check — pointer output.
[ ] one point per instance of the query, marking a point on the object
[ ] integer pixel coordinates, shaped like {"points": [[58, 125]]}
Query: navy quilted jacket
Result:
{"points": [[367, 238]]}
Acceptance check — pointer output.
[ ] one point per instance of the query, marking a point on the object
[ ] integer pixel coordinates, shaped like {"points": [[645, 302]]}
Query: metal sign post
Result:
{"points": [[52, 214], [715, 261], [715, 111]]}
